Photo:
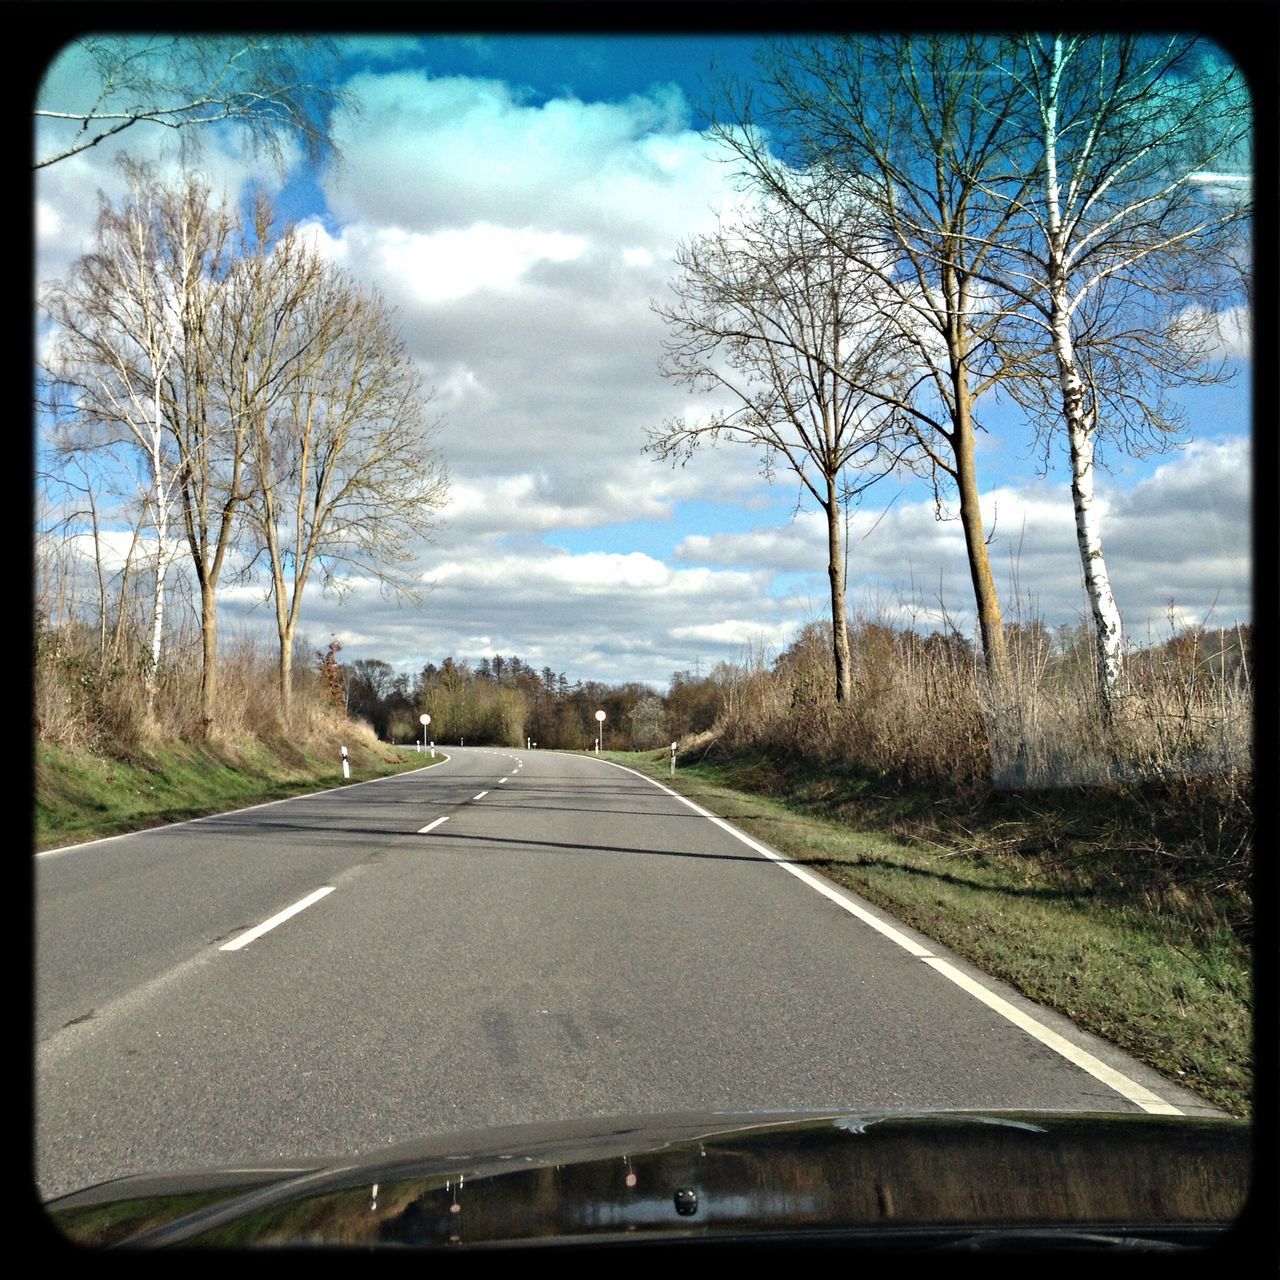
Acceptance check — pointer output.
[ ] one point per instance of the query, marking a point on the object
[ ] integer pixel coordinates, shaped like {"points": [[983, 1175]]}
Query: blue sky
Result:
{"points": [[518, 200]]}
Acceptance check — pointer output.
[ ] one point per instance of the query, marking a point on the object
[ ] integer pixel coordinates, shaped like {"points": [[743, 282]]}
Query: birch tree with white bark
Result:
{"points": [[186, 285], [118, 336], [1130, 246]]}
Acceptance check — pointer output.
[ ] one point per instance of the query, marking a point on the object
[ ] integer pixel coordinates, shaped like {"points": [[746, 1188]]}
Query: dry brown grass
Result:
{"points": [[83, 700], [923, 711]]}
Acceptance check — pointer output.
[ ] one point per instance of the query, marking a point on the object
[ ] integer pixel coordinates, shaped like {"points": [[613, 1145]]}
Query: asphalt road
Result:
{"points": [[570, 941]]}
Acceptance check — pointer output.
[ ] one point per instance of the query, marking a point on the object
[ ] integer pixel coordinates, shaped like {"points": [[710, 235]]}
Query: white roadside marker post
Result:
{"points": [[346, 764]]}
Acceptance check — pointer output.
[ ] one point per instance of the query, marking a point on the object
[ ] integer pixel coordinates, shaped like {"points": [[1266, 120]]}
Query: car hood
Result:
{"points": [[885, 1177]]}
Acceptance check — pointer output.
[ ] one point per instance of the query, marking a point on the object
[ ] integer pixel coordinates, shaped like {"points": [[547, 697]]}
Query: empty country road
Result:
{"points": [[510, 936]]}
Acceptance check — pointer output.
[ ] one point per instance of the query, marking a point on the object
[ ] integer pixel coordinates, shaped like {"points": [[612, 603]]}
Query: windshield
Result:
{"points": [[584, 576]]}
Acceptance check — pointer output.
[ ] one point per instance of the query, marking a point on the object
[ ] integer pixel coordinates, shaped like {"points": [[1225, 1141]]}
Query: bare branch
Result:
{"points": [[273, 89]]}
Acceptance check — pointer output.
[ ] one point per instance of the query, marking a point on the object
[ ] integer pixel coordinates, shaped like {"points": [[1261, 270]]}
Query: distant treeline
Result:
{"points": [[506, 701], [921, 708]]}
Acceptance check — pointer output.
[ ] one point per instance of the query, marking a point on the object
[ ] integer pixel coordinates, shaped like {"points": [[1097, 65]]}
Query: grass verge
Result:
{"points": [[1166, 976], [81, 796]]}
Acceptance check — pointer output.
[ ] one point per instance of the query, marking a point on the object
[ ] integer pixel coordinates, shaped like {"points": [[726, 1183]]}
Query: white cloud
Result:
{"points": [[554, 575], [1235, 330], [798, 547], [429, 153], [738, 634], [446, 265], [521, 274], [499, 505], [1232, 329]]}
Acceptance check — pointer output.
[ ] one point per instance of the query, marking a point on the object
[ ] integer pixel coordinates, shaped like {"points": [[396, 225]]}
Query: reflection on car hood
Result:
{"points": [[884, 1176]]}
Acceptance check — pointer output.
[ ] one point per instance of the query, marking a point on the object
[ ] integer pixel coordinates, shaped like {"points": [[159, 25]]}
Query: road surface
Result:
{"points": [[507, 937]]}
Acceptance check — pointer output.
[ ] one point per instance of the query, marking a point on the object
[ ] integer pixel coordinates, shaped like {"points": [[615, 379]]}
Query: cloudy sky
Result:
{"points": [[518, 200]]}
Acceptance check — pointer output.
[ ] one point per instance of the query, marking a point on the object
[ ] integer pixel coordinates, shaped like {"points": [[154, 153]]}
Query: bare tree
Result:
{"points": [[194, 240], [237, 357], [118, 337], [773, 316], [344, 476], [912, 129], [274, 89], [1137, 147]]}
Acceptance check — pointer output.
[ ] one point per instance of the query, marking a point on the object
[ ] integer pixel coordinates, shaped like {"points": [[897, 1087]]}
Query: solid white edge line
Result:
{"points": [[1086, 1062], [279, 918], [1127, 1088], [226, 813], [422, 831]]}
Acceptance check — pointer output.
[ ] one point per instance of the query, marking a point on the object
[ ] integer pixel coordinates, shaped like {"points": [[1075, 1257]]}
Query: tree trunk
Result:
{"points": [[126, 574], [1109, 637], [99, 575], [157, 609], [286, 678], [209, 656], [835, 574], [990, 619], [284, 624]]}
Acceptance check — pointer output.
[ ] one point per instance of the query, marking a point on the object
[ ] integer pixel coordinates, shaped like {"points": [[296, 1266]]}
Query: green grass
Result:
{"points": [[1161, 973], [79, 796]]}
